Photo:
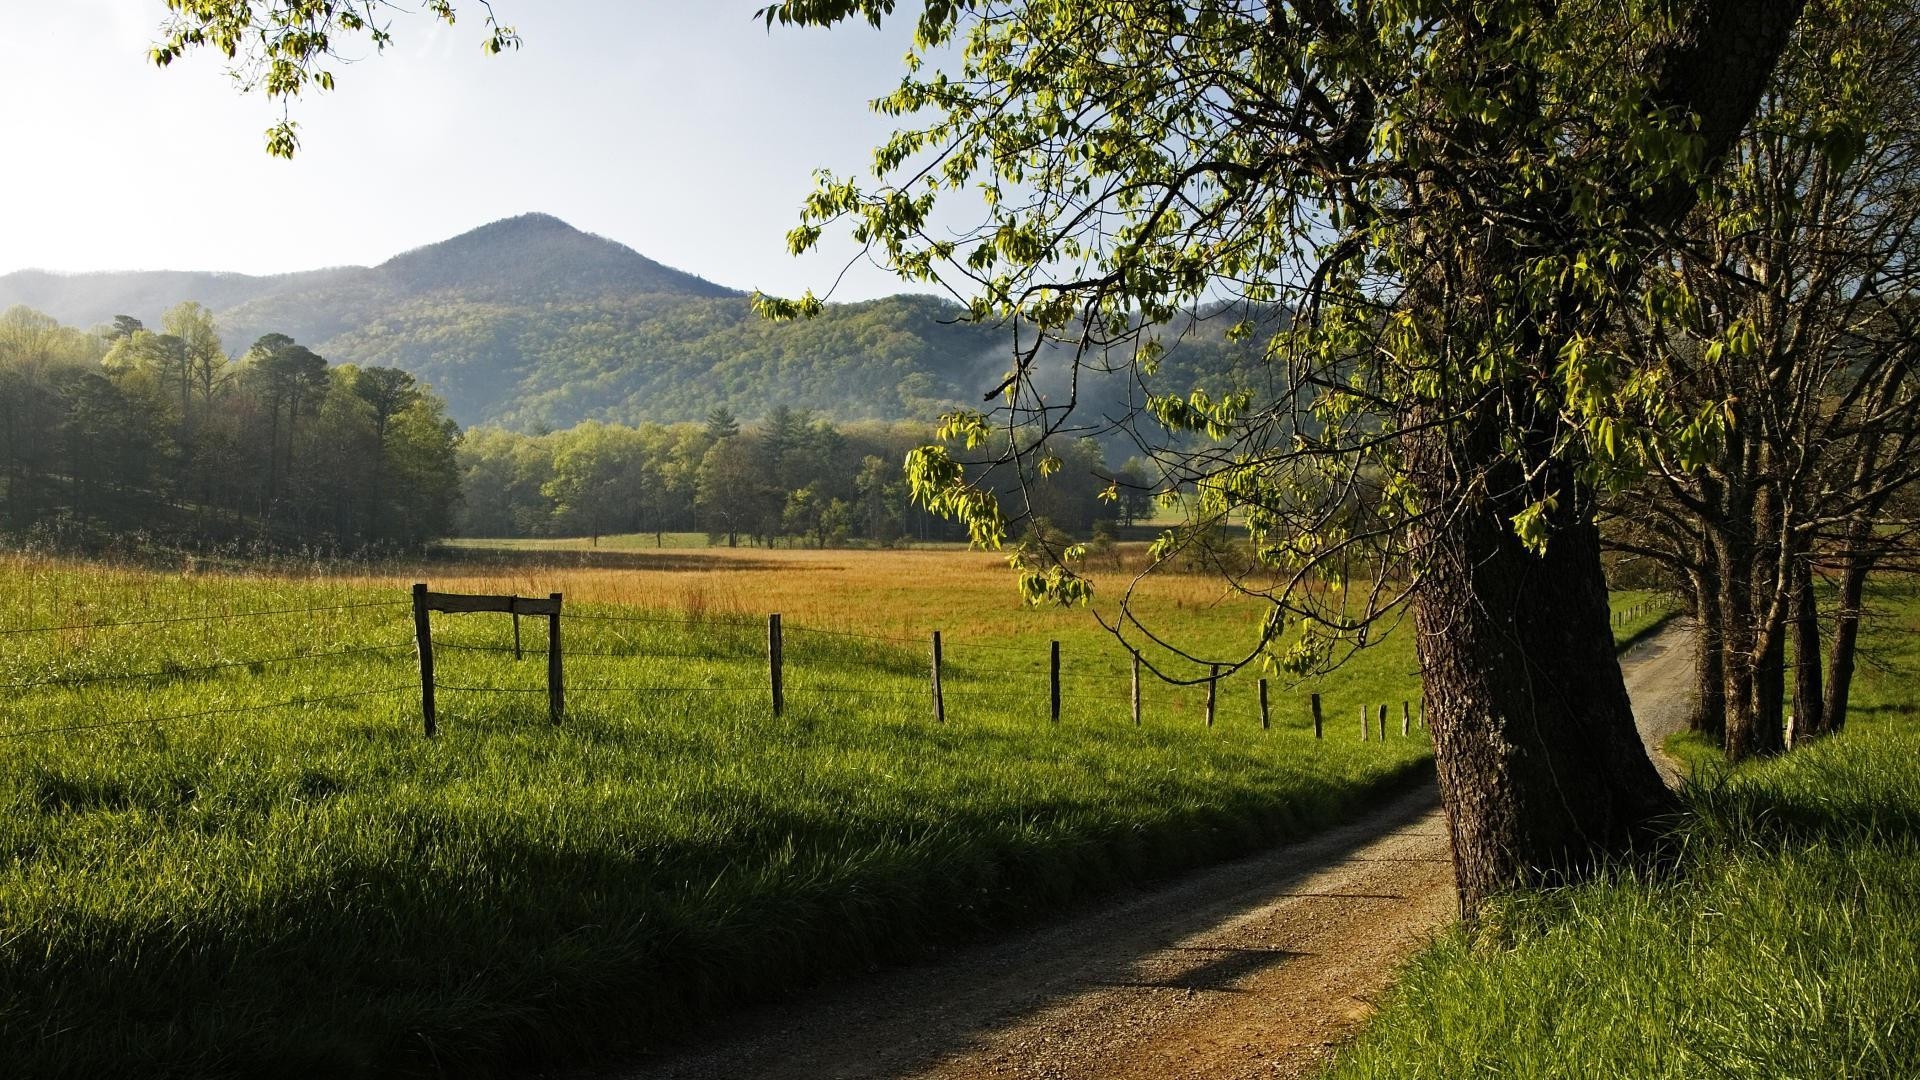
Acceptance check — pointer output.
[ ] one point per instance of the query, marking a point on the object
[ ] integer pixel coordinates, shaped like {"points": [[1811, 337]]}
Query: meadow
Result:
{"points": [[1785, 943], [287, 878], [231, 852]]}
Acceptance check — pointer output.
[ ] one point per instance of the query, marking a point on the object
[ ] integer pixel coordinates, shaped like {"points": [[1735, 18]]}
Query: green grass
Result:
{"points": [[1786, 944], [316, 889], [1641, 612]]}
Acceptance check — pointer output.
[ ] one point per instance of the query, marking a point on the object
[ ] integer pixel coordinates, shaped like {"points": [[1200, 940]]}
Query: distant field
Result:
{"points": [[288, 880]]}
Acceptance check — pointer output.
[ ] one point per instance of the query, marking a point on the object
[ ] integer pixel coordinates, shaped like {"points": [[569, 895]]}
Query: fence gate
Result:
{"points": [[425, 602]]}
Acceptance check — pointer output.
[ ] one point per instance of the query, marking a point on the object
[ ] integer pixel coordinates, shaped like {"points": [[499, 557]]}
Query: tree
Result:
{"points": [[721, 424], [599, 476], [286, 375], [1799, 264], [1457, 201], [387, 393]]}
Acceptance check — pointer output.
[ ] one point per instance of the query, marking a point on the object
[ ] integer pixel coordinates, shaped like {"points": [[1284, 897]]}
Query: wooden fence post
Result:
{"points": [[1213, 686], [939, 697], [423, 642], [1266, 718], [1316, 717], [773, 666], [516, 635], [1054, 697], [1136, 689], [1406, 718], [556, 680], [1383, 723]]}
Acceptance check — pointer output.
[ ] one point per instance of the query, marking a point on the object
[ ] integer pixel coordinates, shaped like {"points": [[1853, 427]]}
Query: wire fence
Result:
{"points": [[824, 659]]}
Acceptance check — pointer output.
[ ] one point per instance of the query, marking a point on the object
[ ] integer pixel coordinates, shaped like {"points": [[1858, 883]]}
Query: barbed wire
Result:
{"points": [[170, 673], [290, 702], [890, 638], [667, 689], [669, 620], [12, 631]]}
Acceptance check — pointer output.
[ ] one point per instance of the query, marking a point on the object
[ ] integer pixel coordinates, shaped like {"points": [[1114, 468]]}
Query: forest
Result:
{"points": [[791, 475], [126, 430]]}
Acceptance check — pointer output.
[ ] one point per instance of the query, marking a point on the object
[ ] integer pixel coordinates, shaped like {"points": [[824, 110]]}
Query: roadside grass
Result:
{"points": [[1786, 943], [1641, 613], [315, 889]]}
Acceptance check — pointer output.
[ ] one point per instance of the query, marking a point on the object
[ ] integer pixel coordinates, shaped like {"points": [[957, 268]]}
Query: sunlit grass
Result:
{"points": [[317, 889]]}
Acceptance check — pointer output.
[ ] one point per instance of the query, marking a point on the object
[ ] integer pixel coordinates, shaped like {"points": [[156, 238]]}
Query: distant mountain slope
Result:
{"points": [[537, 255], [88, 300], [531, 323], [674, 358]]}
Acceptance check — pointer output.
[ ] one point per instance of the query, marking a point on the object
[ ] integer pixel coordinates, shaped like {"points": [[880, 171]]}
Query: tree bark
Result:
{"points": [[1709, 717], [1769, 689], [1846, 637], [1542, 771], [1808, 704], [1733, 553]]}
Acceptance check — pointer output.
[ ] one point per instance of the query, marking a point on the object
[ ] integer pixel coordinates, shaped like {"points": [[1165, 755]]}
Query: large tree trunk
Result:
{"points": [[1542, 772], [1807, 701]]}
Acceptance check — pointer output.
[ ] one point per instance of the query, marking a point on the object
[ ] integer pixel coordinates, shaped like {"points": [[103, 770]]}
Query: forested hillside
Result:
{"points": [[531, 325], [162, 434]]}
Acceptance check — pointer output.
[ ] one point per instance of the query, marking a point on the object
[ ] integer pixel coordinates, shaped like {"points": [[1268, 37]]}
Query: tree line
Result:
{"points": [[127, 429], [1798, 348], [791, 476]]}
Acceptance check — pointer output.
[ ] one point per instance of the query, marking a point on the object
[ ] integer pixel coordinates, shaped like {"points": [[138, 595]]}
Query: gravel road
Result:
{"points": [[1255, 968]]}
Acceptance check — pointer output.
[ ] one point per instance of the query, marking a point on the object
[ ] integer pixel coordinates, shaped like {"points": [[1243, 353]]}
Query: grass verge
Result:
{"points": [[1787, 944]]}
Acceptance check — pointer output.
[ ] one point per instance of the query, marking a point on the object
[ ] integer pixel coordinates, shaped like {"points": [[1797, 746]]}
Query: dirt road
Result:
{"points": [[1251, 969]]}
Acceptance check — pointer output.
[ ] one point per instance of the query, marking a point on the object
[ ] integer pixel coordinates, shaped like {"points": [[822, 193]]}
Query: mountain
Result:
{"points": [[530, 323]]}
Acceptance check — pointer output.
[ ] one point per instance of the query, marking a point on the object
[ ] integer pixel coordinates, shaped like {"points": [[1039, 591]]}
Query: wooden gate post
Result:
{"points": [[773, 666], [1213, 684], [1053, 653], [516, 635], [939, 698], [1406, 718], [423, 642], [1383, 723], [1266, 718], [556, 681], [1136, 689], [1316, 717]]}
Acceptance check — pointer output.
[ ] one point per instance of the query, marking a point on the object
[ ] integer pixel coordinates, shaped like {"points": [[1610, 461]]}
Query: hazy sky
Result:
{"points": [[682, 128]]}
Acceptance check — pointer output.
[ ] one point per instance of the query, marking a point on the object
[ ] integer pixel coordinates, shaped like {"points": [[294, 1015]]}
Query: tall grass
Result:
{"points": [[1786, 944], [287, 881]]}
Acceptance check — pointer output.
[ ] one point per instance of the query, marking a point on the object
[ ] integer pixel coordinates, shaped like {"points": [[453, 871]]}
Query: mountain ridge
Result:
{"points": [[530, 323]]}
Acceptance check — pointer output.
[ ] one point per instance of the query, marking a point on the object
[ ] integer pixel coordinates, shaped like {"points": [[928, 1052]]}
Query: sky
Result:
{"points": [[681, 128]]}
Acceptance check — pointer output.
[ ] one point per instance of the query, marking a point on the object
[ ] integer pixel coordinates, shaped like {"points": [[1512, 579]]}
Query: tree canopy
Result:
{"points": [[1460, 203]]}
